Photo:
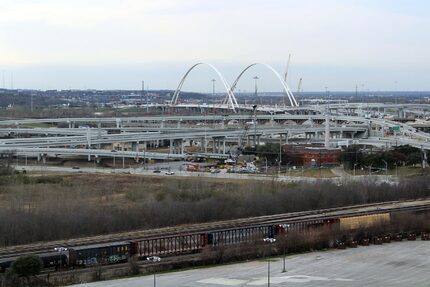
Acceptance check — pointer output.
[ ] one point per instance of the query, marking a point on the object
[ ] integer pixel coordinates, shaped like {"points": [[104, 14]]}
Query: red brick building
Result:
{"points": [[310, 155]]}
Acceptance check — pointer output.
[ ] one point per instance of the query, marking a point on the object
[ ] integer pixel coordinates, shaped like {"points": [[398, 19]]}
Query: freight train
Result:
{"points": [[117, 252]]}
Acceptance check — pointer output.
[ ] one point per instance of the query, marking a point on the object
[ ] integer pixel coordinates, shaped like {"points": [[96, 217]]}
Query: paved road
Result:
{"points": [[340, 179], [395, 264]]}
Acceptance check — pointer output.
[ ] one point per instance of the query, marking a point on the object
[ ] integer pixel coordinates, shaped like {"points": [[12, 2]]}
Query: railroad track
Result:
{"points": [[356, 210]]}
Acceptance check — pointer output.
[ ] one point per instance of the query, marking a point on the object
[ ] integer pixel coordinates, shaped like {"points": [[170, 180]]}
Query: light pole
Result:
{"points": [[280, 154], [270, 241], [386, 169], [255, 125], [355, 164], [286, 226], [154, 259], [213, 87], [396, 167], [60, 250], [256, 88]]}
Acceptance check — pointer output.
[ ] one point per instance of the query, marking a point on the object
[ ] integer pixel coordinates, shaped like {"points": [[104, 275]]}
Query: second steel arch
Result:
{"points": [[287, 90]]}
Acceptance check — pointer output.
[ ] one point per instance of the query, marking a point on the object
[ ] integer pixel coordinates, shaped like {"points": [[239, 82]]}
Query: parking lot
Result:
{"points": [[404, 263]]}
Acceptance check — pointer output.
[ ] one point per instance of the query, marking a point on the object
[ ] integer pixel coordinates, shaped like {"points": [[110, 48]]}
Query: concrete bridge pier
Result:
{"points": [[118, 123]]}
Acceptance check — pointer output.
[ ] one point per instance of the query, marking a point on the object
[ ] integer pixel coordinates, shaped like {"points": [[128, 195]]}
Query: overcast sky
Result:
{"points": [[109, 44]]}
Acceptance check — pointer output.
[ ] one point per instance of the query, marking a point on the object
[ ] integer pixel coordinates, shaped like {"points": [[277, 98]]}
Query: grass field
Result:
{"points": [[400, 171]]}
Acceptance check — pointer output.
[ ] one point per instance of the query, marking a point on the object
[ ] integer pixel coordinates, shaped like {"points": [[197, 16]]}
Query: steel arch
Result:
{"points": [[230, 98], [287, 90]]}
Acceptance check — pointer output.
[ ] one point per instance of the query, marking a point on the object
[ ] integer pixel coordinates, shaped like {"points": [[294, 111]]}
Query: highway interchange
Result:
{"points": [[164, 137]]}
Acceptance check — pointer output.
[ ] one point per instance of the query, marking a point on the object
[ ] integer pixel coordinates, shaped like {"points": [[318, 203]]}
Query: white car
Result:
{"points": [[169, 173]]}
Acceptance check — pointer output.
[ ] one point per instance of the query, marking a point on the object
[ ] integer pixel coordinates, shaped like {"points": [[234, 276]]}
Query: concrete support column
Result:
{"points": [[223, 146], [171, 146], [89, 137]]}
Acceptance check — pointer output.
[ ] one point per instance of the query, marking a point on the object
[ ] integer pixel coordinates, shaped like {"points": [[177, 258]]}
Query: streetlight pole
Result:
{"points": [[270, 241], [154, 259], [386, 169], [256, 88], [255, 125], [213, 87], [280, 153], [60, 250]]}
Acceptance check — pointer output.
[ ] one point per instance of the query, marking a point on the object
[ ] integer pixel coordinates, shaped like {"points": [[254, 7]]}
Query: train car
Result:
{"points": [[232, 236], [54, 259], [363, 221], [106, 253], [157, 246]]}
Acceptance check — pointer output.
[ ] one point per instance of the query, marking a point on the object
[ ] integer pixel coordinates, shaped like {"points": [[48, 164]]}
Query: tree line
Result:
{"points": [[49, 207]]}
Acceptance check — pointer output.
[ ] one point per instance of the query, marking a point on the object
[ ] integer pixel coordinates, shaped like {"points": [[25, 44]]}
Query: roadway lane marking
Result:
{"points": [[223, 281], [293, 279]]}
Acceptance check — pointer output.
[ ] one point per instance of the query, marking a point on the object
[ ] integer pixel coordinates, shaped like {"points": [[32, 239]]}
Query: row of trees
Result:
{"points": [[398, 156], [83, 205], [23, 271]]}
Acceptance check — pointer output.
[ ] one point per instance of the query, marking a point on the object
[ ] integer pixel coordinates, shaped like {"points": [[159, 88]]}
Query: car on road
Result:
{"points": [[170, 173], [76, 167], [157, 171]]}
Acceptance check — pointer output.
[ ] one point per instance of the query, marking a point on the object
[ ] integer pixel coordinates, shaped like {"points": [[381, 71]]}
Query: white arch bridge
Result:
{"points": [[230, 99]]}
